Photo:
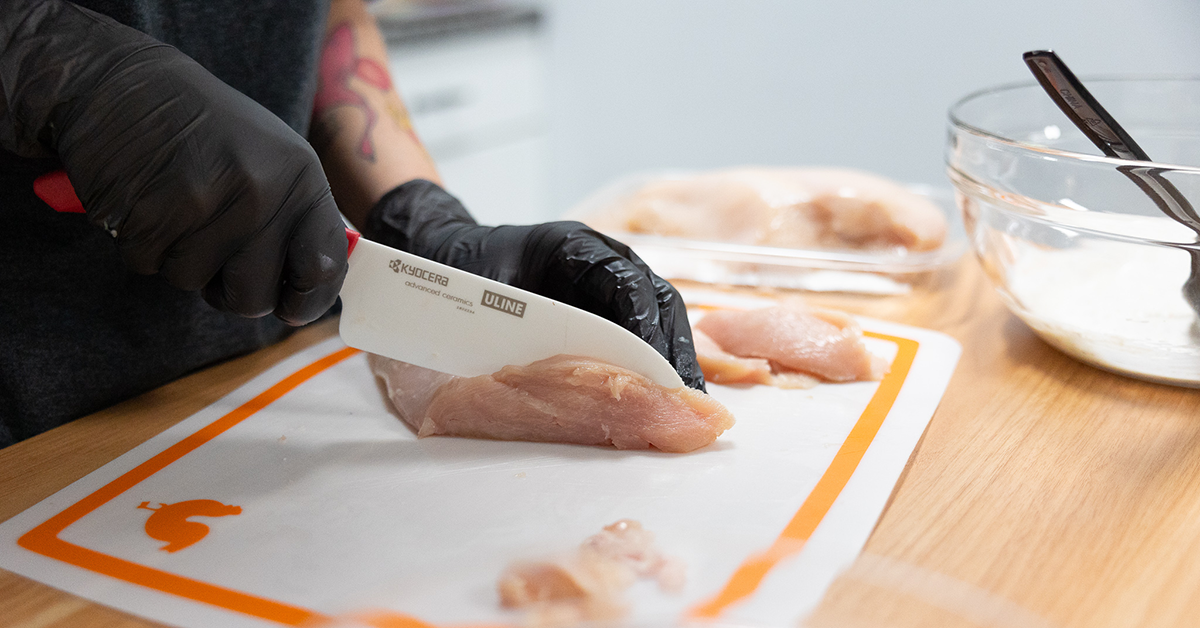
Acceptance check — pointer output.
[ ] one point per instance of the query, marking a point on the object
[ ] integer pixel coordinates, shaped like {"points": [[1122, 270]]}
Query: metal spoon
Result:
{"points": [[1086, 113]]}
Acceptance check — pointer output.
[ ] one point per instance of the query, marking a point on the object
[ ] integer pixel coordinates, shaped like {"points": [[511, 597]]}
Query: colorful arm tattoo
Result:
{"points": [[339, 63]]}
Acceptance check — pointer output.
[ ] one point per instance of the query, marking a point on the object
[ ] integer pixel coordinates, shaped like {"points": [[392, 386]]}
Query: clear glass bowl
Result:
{"points": [[1074, 247]]}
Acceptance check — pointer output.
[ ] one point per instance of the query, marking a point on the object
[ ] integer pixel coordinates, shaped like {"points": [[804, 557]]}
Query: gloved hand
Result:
{"points": [[196, 181], [565, 261]]}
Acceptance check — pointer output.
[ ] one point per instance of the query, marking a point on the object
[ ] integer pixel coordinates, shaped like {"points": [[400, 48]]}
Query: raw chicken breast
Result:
{"points": [[715, 207], [783, 207], [588, 584], [720, 367], [793, 337], [853, 209], [563, 399]]}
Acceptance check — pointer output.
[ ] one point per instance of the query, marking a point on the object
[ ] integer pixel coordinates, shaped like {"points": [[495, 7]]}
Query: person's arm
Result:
{"points": [[385, 183], [360, 126]]}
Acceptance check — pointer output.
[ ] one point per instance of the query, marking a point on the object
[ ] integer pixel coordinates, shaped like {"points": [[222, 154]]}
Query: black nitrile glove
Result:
{"points": [[565, 261], [196, 181]]}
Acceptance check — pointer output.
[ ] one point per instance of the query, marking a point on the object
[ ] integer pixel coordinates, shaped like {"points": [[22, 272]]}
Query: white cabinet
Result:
{"points": [[476, 96]]}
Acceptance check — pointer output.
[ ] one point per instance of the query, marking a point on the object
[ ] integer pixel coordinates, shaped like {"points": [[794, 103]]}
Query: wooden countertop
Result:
{"points": [[1044, 492]]}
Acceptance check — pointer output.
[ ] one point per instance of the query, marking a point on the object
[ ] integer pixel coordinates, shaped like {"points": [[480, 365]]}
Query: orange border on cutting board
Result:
{"points": [[791, 541], [44, 540]]}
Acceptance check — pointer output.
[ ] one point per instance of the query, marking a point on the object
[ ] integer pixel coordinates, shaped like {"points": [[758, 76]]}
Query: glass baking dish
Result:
{"points": [[872, 271]]}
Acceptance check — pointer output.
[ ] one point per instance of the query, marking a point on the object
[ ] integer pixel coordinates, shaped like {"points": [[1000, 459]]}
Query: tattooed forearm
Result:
{"points": [[360, 127], [399, 115], [339, 64]]}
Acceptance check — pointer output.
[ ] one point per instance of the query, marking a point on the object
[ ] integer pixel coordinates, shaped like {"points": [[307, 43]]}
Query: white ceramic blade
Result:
{"points": [[408, 308]]}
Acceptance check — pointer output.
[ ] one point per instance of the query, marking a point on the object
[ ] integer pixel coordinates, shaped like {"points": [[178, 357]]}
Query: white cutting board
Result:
{"points": [[344, 511]]}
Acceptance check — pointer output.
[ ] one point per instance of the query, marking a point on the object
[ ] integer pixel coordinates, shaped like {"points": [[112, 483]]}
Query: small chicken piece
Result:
{"points": [[793, 337], [564, 399], [720, 367], [632, 545], [588, 585]]}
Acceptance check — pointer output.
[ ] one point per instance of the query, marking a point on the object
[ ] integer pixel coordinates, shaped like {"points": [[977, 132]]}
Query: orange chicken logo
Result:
{"points": [[170, 521]]}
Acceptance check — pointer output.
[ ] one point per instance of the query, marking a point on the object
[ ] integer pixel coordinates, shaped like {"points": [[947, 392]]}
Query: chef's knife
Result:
{"points": [[408, 308], [411, 309]]}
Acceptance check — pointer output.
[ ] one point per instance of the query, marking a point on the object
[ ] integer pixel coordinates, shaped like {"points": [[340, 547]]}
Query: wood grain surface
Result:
{"points": [[1045, 493]]}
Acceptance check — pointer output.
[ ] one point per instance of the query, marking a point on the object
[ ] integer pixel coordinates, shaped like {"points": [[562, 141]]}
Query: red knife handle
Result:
{"points": [[55, 189]]}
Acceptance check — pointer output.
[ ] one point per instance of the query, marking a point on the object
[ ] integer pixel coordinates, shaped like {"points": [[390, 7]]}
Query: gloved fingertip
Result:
{"points": [[685, 363], [301, 308], [312, 284], [217, 294]]}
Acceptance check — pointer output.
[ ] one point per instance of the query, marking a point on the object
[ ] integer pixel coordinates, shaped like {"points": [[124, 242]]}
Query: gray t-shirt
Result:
{"points": [[79, 332]]}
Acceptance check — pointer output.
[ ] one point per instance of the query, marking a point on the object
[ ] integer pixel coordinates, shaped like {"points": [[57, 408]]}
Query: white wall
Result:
{"points": [[652, 84]]}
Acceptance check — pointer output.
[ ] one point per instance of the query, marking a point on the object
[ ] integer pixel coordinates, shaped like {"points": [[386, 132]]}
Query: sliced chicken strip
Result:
{"points": [[793, 337], [564, 399]]}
